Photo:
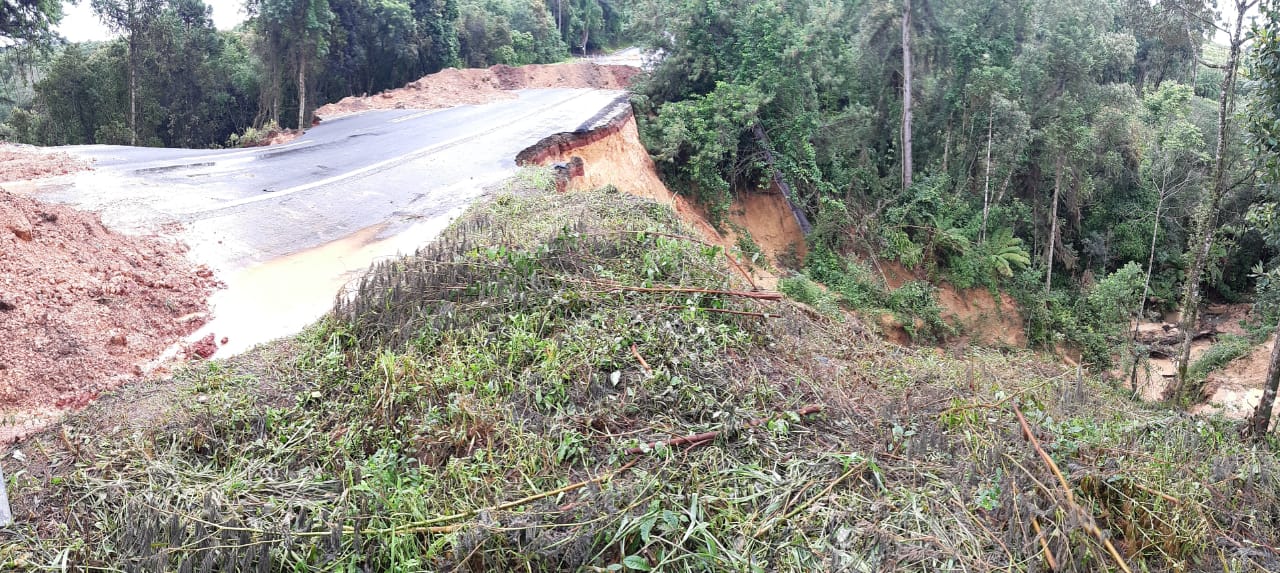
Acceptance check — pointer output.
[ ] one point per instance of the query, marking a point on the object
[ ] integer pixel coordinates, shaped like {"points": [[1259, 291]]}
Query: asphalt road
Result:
{"points": [[241, 207], [286, 227]]}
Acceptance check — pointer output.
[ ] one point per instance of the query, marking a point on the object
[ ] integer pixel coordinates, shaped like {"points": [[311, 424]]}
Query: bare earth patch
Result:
{"points": [[21, 162], [452, 87], [82, 309]]}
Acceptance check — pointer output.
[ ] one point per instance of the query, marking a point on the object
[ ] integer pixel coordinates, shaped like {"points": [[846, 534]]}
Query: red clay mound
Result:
{"points": [[574, 75], [452, 87], [20, 162], [82, 308]]}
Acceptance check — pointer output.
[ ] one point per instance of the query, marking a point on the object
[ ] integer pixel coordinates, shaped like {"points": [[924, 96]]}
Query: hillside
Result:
{"points": [[514, 396]]}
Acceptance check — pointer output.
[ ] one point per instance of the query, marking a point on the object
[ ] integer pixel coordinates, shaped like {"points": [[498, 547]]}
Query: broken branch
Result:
{"points": [[645, 365], [724, 311], [758, 295]]}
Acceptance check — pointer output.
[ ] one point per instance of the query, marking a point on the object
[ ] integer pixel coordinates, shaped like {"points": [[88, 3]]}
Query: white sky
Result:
{"points": [[80, 25]]}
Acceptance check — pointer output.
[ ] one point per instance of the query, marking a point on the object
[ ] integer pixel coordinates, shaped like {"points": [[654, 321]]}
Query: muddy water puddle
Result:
{"points": [[283, 296]]}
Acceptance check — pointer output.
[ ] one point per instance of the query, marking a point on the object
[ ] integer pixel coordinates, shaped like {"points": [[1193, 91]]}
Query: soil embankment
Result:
{"points": [[978, 316], [610, 153], [82, 309], [453, 87], [23, 162]]}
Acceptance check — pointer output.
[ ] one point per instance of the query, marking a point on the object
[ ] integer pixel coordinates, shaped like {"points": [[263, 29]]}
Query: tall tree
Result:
{"points": [[28, 20], [1206, 217], [132, 18], [1264, 135], [297, 33], [906, 94]]}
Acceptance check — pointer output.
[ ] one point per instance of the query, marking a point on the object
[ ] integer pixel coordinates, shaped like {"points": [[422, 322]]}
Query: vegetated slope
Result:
{"points": [[82, 308], [492, 403], [452, 87]]}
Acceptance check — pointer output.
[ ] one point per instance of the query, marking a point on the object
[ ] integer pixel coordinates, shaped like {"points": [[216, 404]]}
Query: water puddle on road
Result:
{"points": [[281, 297]]}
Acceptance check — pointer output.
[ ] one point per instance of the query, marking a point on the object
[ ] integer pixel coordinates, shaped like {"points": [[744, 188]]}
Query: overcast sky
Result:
{"points": [[80, 25]]}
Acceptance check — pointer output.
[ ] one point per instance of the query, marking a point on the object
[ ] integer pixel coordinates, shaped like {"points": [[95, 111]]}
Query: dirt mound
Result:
{"points": [[82, 308], [572, 75], [453, 87], [21, 162], [979, 317]]}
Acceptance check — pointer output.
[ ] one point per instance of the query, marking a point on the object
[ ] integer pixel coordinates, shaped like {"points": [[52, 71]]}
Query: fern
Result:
{"points": [[1007, 254]]}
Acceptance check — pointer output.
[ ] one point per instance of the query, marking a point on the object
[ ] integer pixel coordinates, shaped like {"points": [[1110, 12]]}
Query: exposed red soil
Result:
{"points": [[614, 155], [82, 309], [979, 317], [452, 87], [22, 162]]}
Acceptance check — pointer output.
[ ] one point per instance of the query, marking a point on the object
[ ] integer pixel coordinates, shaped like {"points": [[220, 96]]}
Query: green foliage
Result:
{"points": [[802, 289], [33, 21], [1014, 103], [856, 286], [253, 137], [1226, 348], [696, 141], [512, 32], [200, 88]]}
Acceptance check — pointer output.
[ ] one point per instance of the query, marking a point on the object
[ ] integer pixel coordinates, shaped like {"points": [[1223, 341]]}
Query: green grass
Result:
{"points": [[432, 422], [1226, 348]]}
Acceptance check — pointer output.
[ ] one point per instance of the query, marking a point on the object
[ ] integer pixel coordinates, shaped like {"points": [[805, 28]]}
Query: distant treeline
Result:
{"points": [[171, 79]]}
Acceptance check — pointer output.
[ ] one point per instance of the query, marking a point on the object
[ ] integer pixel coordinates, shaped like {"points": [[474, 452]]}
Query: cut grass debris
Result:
{"points": [[510, 398]]}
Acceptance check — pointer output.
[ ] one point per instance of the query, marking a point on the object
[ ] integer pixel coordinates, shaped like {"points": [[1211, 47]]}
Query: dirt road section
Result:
{"points": [[23, 162], [452, 87], [82, 309]]}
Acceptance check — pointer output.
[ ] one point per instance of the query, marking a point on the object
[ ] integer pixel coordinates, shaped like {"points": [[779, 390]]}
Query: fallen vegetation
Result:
{"points": [[561, 383]]}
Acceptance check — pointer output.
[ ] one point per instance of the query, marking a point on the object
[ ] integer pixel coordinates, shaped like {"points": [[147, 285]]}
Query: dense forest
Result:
{"points": [[1097, 159], [172, 79]]}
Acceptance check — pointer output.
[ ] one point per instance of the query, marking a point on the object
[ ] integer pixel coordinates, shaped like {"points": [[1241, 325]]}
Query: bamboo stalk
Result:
{"points": [[708, 436], [1088, 524], [826, 490], [761, 295], [1048, 554], [645, 365]]}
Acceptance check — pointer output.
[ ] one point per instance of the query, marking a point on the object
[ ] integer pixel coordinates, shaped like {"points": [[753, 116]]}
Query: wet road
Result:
{"points": [[237, 207], [287, 227]]}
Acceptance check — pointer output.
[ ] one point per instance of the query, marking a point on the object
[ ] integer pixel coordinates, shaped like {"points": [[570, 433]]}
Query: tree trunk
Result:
{"points": [[986, 190], [763, 139], [1146, 288], [906, 94], [1207, 214], [302, 92], [133, 81], [1053, 226], [1260, 422]]}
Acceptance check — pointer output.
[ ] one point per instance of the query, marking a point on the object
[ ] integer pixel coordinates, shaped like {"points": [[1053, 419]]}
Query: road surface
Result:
{"points": [[287, 226]]}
